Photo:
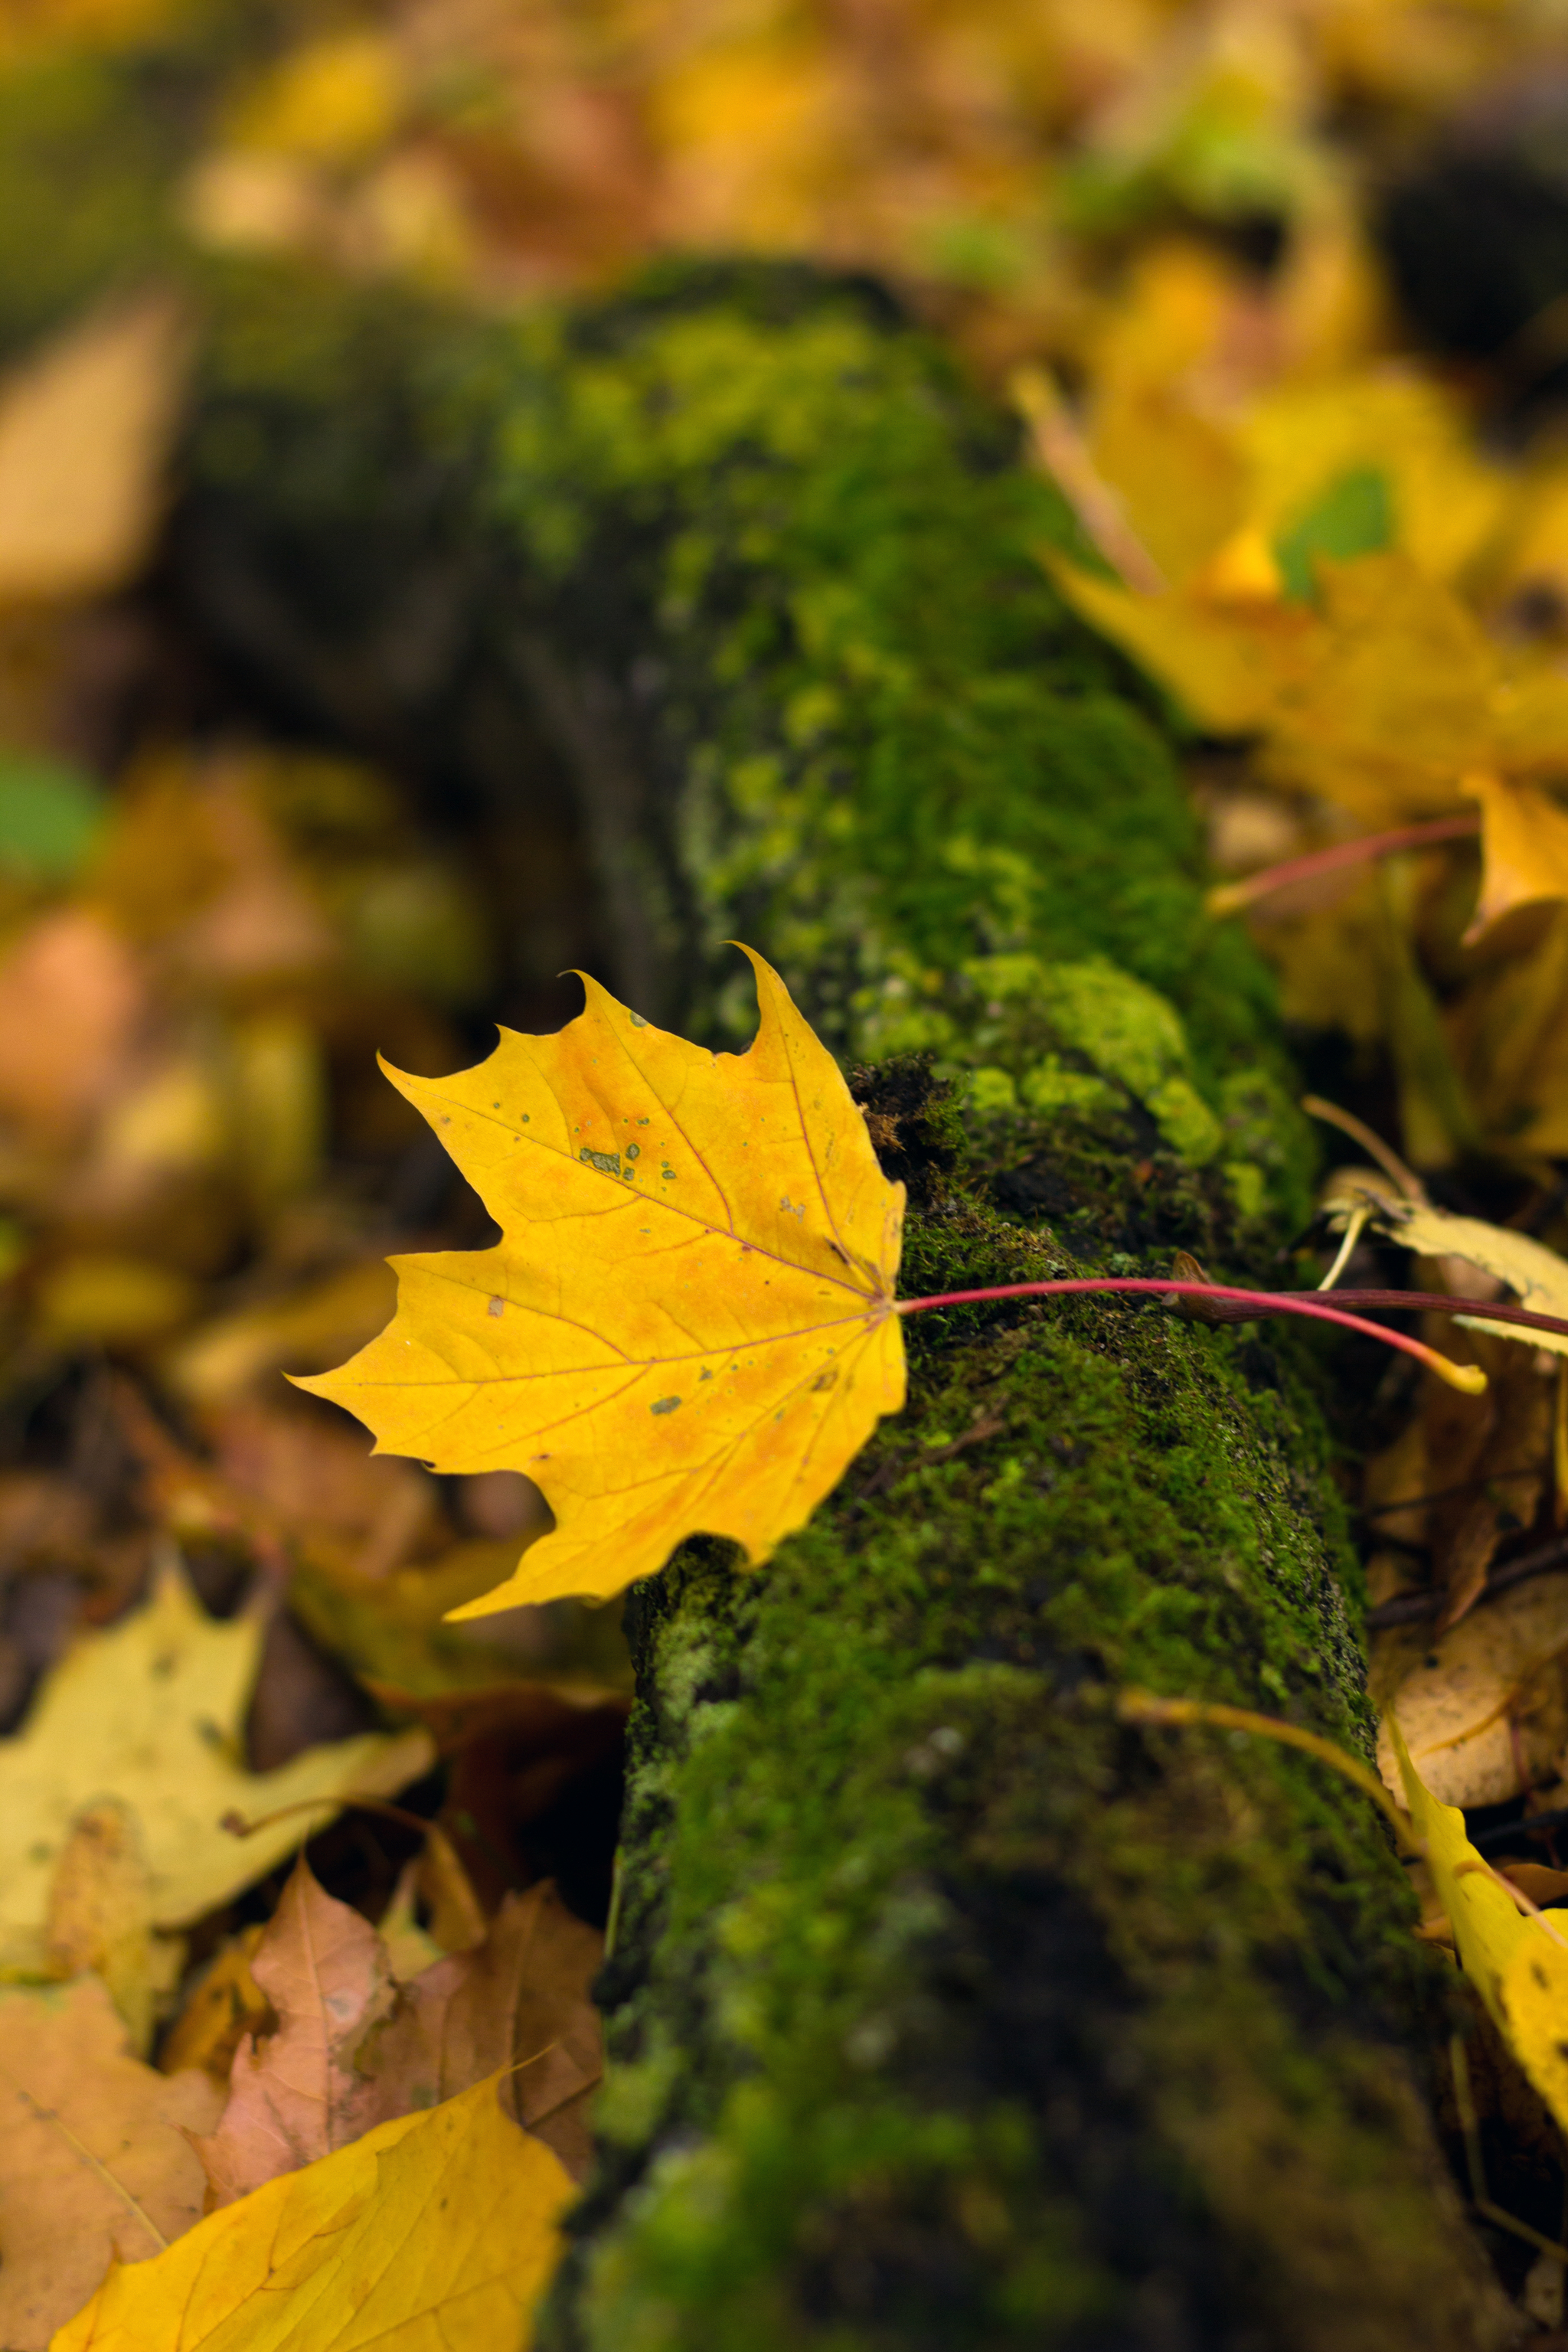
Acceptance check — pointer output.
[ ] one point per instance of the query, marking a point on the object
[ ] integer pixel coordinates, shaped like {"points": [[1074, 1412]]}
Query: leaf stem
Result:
{"points": [[1236, 1306], [1228, 897]]}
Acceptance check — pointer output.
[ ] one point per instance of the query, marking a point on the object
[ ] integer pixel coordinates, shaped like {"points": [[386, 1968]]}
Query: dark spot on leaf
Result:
{"points": [[665, 1404]]}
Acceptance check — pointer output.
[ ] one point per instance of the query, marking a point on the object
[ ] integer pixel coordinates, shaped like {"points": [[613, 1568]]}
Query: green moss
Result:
{"points": [[887, 737], [885, 1822]]}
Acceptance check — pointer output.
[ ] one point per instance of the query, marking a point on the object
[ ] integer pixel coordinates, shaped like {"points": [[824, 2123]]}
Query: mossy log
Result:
{"points": [[945, 2009]]}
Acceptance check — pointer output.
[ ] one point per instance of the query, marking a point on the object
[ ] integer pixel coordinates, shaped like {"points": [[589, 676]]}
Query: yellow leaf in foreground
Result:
{"points": [[84, 429], [153, 1708], [1524, 849], [1520, 1969], [689, 1326], [435, 2230]]}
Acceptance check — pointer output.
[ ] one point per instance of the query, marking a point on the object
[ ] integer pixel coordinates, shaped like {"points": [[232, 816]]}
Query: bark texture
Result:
{"points": [[945, 2009]]}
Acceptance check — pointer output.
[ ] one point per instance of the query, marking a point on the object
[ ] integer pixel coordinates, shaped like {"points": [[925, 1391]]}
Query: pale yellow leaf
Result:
{"points": [[84, 430], [153, 1708]]}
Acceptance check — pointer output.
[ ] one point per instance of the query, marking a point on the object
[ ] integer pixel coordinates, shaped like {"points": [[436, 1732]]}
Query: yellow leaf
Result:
{"points": [[94, 2153], [1228, 660], [1518, 1967], [155, 1709], [435, 2229], [84, 429], [689, 1326], [1447, 500], [333, 98], [1524, 849]]}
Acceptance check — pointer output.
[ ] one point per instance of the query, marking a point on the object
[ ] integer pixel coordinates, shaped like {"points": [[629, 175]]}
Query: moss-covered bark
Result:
{"points": [[945, 2009]]}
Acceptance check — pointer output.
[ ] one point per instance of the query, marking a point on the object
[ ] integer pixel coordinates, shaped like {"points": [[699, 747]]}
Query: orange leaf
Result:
{"points": [[689, 1324]]}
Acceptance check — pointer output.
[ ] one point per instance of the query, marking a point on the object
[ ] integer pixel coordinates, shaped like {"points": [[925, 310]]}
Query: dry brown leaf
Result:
{"points": [[299, 2095], [353, 2048], [94, 2159], [1484, 1706], [520, 1998], [514, 1749], [84, 430]]}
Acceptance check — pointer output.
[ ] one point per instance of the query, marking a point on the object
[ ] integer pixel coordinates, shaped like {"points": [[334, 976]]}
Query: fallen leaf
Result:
{"points": [[94, 2157], [1485, 1706], [100, 1916], [437, 2228], [690, 1325], [70, 998], [518, 1999], [84, 429], [153, 1708], [352, 2048], [1517, 1965], [1524, 849], [216, 1363], [299, 2094], [220, 2009]]}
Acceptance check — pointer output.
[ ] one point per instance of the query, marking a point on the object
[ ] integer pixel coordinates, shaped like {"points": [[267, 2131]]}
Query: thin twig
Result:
{"points": [[1389, 1162]]}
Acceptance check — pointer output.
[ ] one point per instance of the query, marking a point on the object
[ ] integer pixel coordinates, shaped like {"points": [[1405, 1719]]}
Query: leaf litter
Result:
{"points": [[1308, 541]]}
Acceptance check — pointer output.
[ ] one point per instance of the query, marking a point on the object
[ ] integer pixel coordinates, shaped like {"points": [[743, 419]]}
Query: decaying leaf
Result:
{"points": [[690, 1325], [1485, 1706], [353, 2048], [518, 1999], [300, 2095], [437, 2229], [94, 2157], [154, 1708]]}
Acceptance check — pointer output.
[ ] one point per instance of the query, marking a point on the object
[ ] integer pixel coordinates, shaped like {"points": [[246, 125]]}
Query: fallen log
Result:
{"points": [[945, 2007]]}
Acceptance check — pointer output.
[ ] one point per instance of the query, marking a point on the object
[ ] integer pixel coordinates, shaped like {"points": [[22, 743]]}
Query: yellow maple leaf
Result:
{"points": [[1517, 1964], [153, 1708], [689, 1326], [436, 2228]]}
